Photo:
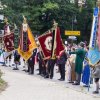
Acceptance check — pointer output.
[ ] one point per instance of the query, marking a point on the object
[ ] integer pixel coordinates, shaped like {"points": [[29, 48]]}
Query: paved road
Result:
{"points": [[22, 86]]}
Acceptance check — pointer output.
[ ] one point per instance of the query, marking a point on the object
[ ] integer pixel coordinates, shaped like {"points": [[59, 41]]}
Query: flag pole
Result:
{"points": [[54, 29], [6, 20], [98, 37], [25, 20]]}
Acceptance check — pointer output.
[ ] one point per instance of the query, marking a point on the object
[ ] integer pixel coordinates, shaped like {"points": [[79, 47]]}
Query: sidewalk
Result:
{"points": [[22, 86]]}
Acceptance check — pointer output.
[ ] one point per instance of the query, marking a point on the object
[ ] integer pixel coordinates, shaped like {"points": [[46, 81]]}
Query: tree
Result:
{"points": [[40, 14]]}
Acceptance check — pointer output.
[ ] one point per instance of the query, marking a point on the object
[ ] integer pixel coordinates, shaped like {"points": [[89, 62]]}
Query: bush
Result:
{"points": [[3, 84], [0, 73]]}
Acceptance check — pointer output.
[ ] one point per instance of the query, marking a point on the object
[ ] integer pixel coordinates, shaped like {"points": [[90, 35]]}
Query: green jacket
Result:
{"points": [[80, 55]]}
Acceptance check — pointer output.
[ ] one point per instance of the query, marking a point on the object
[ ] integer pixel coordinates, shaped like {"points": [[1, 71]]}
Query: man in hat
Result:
{"points": [[80, 54]]}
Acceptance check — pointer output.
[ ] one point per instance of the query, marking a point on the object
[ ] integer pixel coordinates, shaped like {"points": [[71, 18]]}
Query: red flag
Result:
{"points": [[8, 38], [98, 35], [59, 43], [45, 43], [51, 44], [9, 42]]}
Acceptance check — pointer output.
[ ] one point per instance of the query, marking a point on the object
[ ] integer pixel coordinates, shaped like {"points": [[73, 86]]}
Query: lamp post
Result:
{"points": [[74, 21]]}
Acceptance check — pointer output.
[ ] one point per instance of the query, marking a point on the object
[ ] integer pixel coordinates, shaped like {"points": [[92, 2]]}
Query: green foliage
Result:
{"points": [[3, 84], [0, 74], [40, 14]]}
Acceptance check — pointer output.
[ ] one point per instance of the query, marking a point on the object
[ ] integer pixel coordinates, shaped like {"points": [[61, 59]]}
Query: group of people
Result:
{"points": [[72, 63]]}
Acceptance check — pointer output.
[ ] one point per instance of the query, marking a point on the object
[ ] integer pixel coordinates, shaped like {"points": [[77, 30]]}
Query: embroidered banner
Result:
{"points": [[45, 42], [9, 42], [94, 29]]}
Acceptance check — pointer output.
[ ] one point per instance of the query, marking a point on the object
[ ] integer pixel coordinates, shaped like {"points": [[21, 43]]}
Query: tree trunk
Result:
{"points": [[76, 2]]}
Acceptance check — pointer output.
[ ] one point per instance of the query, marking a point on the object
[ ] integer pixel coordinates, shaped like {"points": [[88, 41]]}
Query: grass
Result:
{"points": [[3, 84]]}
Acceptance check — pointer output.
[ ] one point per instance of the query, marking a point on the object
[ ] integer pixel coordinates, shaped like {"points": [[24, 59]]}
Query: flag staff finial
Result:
{"points": [[55, 24], [15, 26], [6, 20], [25, 20]]}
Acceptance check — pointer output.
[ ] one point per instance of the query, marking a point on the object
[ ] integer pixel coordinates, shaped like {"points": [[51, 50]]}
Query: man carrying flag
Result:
{"points": [[8, 40], [51, 45], [27, 45]]}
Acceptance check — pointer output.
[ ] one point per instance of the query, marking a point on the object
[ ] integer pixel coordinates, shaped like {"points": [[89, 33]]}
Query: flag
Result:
{"points": [[94, 56], [94, 53], [9, 42], [45, 42], [98, 35], [51, 43], [27, 42], [94, 29], [8, 38], [16, 37], [59, 43]]}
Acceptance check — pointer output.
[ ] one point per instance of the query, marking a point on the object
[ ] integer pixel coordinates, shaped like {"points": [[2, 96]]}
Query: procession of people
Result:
{"points": [[66, 64], [74, 62]]}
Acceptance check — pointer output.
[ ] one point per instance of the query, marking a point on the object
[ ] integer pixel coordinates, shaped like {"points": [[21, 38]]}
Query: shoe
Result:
{"points": [[42, 75], [15, 69], [76, 84], [46, 76], [86, 86], [13, 64], [4, 65], [27, 71], [70, 82], [51, 77], [95, 92], [24, 70], [38, 74], [30, 73], [61, 79]]}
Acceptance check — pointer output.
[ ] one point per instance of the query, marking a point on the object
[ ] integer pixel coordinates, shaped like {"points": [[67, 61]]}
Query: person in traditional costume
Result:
{"points": [[10, 57], [80, 55], [86, 71], [40, 61], [16, 60], [70, 67], [61, 61], [2, 60], [31, 62], [96, 76], [50, 67]]}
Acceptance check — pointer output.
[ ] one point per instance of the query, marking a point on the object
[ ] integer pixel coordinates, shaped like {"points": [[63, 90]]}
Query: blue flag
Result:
{"points": [[94, 53], [94, 56], [94, 29]]}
